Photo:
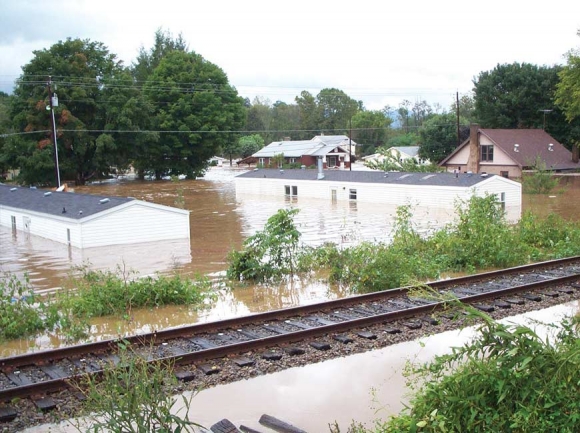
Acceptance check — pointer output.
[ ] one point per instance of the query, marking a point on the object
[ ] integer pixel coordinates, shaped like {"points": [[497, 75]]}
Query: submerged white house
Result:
{"points": [[86, 221], [437, 190]]}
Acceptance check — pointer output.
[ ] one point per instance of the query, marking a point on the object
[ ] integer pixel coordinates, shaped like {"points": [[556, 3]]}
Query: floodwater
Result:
{"points": [[361, 387], [220, 221]]}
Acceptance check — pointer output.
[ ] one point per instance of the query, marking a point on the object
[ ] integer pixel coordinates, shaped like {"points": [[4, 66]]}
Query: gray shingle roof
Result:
{"points": [[39, 200], [398, 178]]}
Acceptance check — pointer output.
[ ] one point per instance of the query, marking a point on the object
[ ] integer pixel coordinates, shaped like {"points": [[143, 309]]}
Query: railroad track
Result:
{"points": [[280, 333]]}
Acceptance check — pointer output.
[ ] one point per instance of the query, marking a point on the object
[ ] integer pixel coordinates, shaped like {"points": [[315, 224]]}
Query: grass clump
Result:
{"points": [[91, 293], [134, 396], [508, 379], [19, 314]]}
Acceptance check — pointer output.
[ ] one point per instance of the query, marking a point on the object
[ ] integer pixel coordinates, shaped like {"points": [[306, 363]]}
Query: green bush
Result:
{"points": [[506, 380], [19, 316]]}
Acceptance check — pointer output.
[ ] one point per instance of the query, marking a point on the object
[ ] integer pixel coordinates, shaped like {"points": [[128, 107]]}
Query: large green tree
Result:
{"points": [[568, 92], [438, 136], [196, 112], [370, 129], [83, 73], [148, 60], [335, 110]]}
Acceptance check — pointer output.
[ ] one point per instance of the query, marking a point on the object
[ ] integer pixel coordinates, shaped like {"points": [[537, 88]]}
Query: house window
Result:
{"points": [[331, 161], [68, 236], [13, 218], [487, 153], [292, 160], [261, 161], [352, 194], [501, 198], [504, 174], [291, 190]]}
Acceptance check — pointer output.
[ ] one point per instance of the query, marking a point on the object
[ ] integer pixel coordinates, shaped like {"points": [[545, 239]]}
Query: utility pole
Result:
{"points": [[545, 111], [350, 143], [457, 101], [53, 102]]}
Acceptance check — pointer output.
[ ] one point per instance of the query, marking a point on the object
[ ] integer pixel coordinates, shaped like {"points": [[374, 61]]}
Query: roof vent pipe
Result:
{"points": [[320, 171]]}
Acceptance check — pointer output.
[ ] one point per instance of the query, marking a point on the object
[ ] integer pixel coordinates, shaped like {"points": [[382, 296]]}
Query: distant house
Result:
{"points": [[509, 152], [437, 190], [335, 151], [83, 220], [397, 152]]}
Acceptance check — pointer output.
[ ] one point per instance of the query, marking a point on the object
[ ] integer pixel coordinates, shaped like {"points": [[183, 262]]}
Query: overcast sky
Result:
{"points": [[378, 51]]}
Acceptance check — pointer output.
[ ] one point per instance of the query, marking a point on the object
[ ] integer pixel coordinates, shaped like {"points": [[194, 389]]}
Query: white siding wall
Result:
{"points": [[422, 195], [513, 195], [135, 223], [54, 228]]}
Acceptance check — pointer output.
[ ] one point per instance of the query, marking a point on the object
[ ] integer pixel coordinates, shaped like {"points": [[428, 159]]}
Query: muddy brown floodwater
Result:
{"points": [[220, 221]]}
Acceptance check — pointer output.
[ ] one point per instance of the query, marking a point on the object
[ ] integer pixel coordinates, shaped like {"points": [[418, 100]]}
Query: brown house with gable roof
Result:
{"points": [[508, 152]]}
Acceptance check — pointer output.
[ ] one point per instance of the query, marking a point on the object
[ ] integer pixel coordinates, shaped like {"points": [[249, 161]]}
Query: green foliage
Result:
{"points": [[191, 118], [438, 136], [371, 128], [91, 294], [85, 98], [102, 293], [269, 254], [514, 95], [391, 161], [568, 86], [507, 379], [250, 144], [541, 181], [18, 315], [409, 139], [134, 396]]}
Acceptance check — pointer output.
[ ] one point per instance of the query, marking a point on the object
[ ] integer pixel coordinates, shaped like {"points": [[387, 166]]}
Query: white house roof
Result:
{"points": [[318, 146], [399, 178], [411, 151], [66, 204]]}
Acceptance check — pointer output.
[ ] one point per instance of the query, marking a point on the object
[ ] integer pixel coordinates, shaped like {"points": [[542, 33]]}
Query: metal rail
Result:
{"points": [[48, 386]]}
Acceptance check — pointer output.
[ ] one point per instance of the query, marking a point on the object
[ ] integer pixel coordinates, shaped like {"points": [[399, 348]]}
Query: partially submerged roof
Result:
{"points": [[318, 146], [63, 204], [392, 178], [532, 143]]}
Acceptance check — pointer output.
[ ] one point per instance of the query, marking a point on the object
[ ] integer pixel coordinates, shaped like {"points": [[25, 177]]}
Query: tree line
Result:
{"points": [[171, 110]]}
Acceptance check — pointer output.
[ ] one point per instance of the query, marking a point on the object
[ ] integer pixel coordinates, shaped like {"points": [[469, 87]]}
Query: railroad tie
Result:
{"points": [[367, 335], [45, 404], [279, 425], [299, 324], [532, 297], [224, 426], [272, 356], [319, 345], [18, 378], [7, 414], [53, 371], [249, 429], [343, 338], [204, 343], [502, 304], [208, 369], [484, 307], [242, 361], [184, 375]]}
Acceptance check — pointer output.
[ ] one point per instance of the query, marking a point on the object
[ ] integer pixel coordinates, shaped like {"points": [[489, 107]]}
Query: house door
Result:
{"points": [[333, 195]]}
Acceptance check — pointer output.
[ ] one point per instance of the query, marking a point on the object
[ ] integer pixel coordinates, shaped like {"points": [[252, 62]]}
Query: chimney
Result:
{"points": [[320, 171], [473, 160], [575, 152]]}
